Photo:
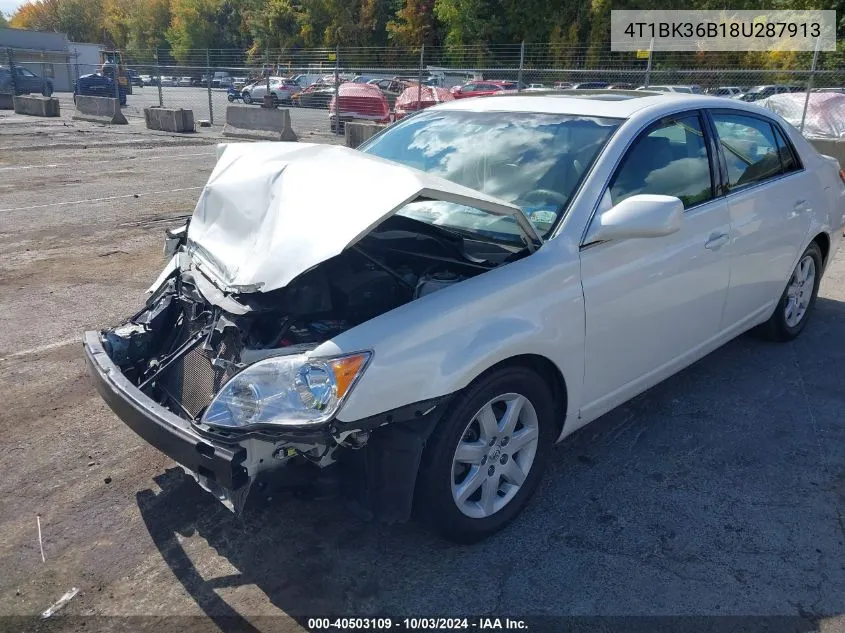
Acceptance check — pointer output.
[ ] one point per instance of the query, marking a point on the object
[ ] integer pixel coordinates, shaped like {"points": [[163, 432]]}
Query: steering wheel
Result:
{"points": [[547, 194]]}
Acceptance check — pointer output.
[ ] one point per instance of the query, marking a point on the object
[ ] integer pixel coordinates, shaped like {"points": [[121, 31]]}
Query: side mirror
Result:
{"points": [[643, 215]]}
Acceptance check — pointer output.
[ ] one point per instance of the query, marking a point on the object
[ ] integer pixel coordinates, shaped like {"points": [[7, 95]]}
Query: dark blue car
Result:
{"points": [[97, 85]]}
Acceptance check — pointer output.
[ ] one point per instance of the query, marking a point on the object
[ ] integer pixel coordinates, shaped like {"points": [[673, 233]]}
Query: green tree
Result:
{"points": [[81, 20], [193, 25], [414, 24]]}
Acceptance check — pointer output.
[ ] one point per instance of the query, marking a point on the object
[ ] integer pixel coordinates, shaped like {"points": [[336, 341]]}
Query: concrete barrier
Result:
{"points": [[169, 119], [359, 131], [259, 124], [6, 102], [99, 110], [830, 148], [36, 105]]}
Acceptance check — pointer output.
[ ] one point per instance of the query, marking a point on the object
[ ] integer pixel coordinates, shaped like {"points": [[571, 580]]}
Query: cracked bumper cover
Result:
{"points": [[164, 430]]}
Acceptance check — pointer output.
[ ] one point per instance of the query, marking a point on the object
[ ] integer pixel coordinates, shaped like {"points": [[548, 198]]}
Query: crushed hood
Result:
{"points": [[271, 211]]}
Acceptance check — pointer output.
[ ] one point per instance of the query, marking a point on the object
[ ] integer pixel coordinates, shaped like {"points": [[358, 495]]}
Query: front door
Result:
{"points": [[653, 304]]}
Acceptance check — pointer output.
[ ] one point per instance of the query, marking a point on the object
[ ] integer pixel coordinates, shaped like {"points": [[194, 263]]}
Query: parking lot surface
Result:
{"points": [[719, 492]]}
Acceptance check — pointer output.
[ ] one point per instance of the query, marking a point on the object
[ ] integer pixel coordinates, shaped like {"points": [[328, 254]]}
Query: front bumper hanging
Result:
{"points": [[172, 435]]}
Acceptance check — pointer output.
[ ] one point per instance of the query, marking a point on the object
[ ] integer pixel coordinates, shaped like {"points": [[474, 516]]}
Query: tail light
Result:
{"points": [[842, 175]]}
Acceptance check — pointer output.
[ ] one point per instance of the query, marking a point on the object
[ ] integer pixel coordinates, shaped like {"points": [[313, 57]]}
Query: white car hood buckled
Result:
{"points": [[271, 211]]}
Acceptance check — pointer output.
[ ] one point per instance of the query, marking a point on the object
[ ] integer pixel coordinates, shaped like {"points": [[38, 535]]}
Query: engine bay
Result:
{"points": [[181, 347]]}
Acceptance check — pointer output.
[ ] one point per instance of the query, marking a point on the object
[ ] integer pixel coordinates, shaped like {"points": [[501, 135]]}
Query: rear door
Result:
{"points": [[653, 305], [770, 198]]}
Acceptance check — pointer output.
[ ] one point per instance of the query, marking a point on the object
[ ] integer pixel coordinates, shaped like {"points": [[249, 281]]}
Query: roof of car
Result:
{"points": [[620, 104]]}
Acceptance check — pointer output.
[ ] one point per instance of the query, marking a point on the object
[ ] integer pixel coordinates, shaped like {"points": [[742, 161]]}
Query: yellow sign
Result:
{"points": [[332, 57], [642, 54]]}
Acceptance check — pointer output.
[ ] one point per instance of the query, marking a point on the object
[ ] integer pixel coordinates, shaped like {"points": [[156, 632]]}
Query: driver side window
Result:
{"points": [[671, 159]]}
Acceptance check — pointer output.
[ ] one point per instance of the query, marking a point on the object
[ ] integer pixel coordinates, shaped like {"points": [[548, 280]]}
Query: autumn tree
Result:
{"points": [[37, 15]]}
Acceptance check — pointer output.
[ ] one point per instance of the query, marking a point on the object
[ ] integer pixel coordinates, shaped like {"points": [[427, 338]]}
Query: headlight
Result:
{"points": [[285, 391]]}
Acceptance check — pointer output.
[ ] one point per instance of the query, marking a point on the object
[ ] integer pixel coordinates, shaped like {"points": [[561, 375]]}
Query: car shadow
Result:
{"points": [[717, 492]]}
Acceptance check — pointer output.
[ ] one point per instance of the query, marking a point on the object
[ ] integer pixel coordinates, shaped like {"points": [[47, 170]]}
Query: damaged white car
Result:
{"points": [[427, 316]]}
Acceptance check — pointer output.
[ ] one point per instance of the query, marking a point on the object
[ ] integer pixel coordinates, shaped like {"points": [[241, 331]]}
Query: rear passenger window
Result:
{"points": [[788, 160], [749, 147], [669, 159]]}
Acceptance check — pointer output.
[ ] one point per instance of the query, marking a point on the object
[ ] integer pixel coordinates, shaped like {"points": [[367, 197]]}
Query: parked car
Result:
{"points": [[360, 102], [314, 96], [452, 318], [24, 82], [167, 80], [536, 87], [390, 88], [282, 90], [221, 79], [761, 92], [148, 80], [98, 85], [185, 82], [482, 88], [825, 116], [589, 85], [621, 86], [725, 91], [839, 90], [134, 78], [415, 98], [563, 85]]}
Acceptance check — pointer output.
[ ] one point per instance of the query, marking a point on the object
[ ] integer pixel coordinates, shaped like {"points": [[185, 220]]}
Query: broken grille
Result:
{"points": [[193, 380]]}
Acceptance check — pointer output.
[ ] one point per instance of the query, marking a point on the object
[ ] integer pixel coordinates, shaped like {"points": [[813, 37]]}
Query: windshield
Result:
{"points": [[535, 161]]}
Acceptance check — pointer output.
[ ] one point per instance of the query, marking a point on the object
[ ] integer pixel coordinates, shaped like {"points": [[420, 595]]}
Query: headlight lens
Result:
{"points": [[285, 391]]}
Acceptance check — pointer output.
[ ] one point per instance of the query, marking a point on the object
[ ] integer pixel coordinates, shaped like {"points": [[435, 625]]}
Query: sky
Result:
{"points": [[9, 6]]}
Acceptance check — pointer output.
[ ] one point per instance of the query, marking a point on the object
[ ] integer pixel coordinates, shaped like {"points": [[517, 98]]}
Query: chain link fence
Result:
{"points": [[310, 82]]}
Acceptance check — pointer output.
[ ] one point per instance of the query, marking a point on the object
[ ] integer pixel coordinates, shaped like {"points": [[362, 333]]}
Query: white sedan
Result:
{"points": [[282, 90], [479, 281]]}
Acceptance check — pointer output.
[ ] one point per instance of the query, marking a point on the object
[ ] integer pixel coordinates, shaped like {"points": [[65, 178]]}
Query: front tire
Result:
{"points": [[487, 455], [798, 299], [247, 98]]}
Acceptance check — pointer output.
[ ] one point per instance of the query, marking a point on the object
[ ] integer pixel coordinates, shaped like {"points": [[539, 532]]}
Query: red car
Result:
{"points": [[358, 101], [482, 88], [415, 98]]}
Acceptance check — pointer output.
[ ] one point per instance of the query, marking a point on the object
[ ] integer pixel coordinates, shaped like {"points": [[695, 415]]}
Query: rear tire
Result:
{"points": [[478, 472], [798, 299]]}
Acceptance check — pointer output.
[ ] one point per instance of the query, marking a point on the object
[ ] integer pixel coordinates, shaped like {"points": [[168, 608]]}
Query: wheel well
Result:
{"points": [[823, 242], [547, 370]]}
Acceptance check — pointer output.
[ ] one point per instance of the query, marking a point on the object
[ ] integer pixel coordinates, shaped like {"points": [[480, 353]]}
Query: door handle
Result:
{"points": [[716, 241]]}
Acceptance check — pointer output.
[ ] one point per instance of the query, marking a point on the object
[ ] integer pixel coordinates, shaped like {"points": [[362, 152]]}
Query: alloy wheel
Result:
{"points": [[799, 292], [494, 455]]}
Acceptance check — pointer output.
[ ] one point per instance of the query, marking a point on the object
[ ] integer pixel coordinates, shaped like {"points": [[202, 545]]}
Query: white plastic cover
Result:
{"points": [[271, 211], [825, 112]]}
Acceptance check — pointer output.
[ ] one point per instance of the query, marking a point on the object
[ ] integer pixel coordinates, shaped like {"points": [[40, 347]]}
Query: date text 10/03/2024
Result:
{"points": [[414, 623]]}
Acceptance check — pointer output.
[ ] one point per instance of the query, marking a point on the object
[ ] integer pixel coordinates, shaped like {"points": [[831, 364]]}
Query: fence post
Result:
{"points": [[648, 65], [208, 74], [521, 65], [337, 88], [810, 84], [158, 81], [115, 75], [11, 57], [420, 78], [76, 65], [43, 78]]}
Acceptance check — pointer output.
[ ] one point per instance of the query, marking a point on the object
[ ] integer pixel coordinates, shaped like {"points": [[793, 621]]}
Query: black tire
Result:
{"points": [[231, 98], [435, 503], [247, 98], [777, 328]]}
